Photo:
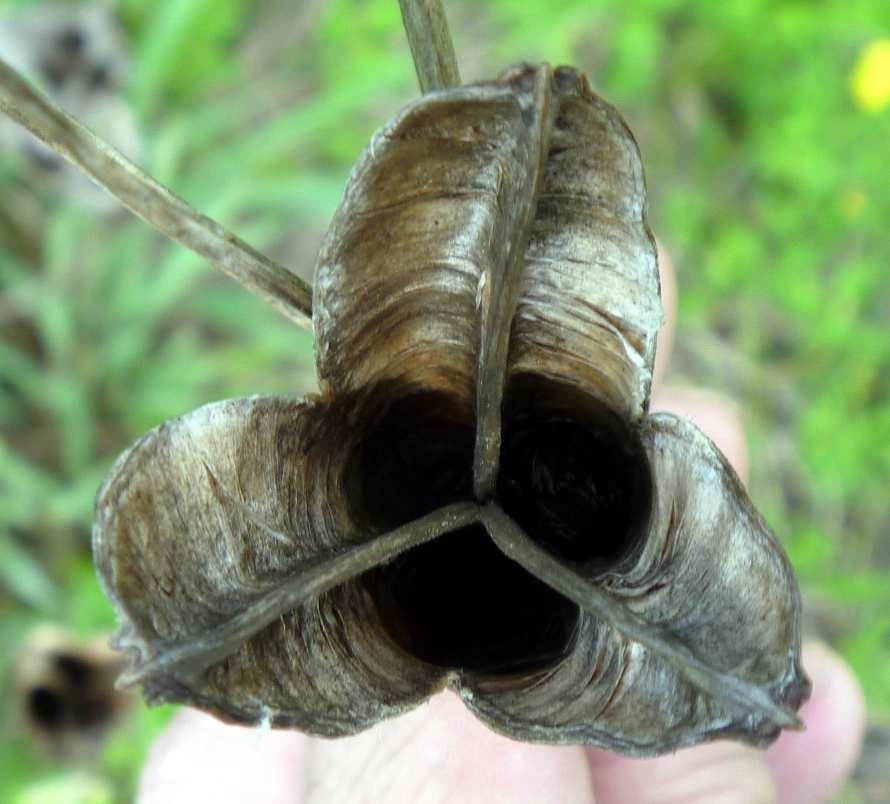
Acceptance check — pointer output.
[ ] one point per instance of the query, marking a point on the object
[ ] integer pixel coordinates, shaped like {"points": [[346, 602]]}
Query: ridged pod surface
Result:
{"points": [[478, 498]]}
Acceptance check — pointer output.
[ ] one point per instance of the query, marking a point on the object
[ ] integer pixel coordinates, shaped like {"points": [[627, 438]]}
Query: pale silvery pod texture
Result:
{"points": [[478, 499]]}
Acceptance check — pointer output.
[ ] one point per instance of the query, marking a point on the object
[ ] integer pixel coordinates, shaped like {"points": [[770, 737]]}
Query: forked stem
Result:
{"points": [[153, 202], [431, 44]]}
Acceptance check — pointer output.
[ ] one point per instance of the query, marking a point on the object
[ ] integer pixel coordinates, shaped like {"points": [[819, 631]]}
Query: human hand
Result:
{"points": [[440, 753]]}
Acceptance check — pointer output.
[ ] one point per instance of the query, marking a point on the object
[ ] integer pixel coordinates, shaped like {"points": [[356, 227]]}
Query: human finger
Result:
{"points": [[715, 773], [199, 758], [707, 773], [807, 767], [811, 766], [715, 415], [441, 753]]}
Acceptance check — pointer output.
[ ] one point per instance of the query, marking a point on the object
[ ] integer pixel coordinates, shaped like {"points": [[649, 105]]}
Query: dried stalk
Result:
{"points": [[153, 202], [431, 45]]}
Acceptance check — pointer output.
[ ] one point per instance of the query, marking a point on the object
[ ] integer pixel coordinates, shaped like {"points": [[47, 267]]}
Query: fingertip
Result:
{"points": [[721, 771], [715, 415], [811, 766], [441, 752], [199, 758]]}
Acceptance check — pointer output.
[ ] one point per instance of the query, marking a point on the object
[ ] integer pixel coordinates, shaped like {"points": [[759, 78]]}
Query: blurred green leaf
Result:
{"points": [[23, 577]]}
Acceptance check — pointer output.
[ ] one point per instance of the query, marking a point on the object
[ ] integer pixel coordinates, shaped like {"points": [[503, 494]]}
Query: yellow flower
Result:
{"points": [[870, 81]]}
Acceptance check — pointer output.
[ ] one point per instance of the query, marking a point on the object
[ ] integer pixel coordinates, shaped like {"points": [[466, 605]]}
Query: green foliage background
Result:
{"points": [[768, 185]]}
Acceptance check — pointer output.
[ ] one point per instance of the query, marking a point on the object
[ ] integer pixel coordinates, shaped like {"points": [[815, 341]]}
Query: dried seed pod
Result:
{"points": [[478, 499], [65, 692]]}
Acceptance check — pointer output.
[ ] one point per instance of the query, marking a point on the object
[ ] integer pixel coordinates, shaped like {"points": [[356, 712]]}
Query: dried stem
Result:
{"points": [[431, 45], [503, 295], [153, 202]]}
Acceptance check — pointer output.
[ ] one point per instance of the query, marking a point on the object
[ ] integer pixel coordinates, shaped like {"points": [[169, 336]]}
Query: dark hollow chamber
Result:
{"points": [[580, 486]]}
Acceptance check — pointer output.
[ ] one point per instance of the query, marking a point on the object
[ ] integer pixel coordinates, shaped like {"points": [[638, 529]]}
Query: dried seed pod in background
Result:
{"points": [[479, 499], [65, 693], [79, 56]]}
